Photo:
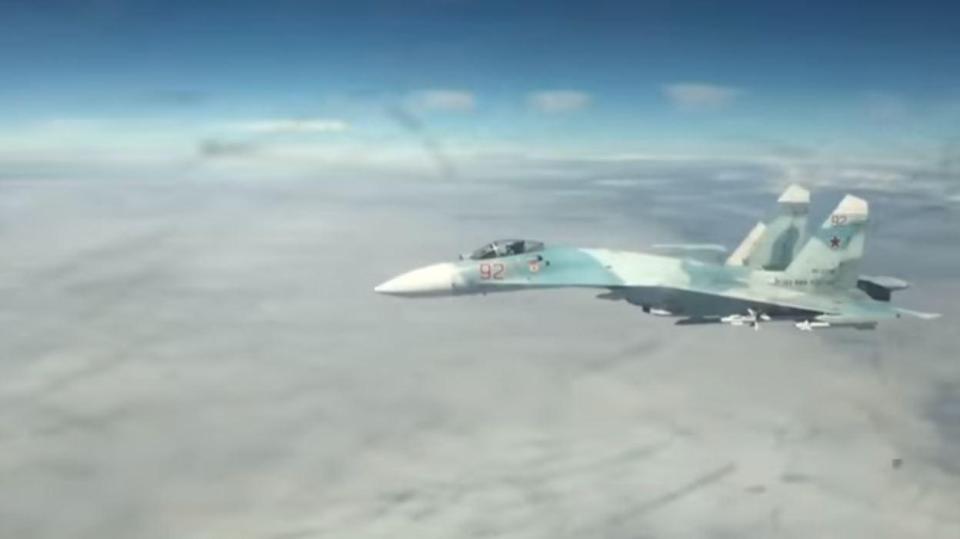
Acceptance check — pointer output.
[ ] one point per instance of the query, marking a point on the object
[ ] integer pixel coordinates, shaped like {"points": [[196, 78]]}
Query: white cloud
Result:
{"points": [[578, 403], [558, 101], [699, 96], [442, 100], [293, 125]]}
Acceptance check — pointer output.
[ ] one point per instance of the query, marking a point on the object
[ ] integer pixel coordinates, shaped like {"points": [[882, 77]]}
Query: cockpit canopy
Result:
{"points": [[501, 248]]}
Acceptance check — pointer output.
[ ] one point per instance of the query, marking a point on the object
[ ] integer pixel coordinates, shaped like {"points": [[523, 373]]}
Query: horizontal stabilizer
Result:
{"points": [[890, 283], [881, 288], [920, 315]]}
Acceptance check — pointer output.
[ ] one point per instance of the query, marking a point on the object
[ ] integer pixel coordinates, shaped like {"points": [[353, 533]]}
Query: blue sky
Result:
{"points": [[599, 77]]}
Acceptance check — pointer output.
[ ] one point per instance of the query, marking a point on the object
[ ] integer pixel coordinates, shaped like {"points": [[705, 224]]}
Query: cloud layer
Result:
{"points": [[206, 358], [699, 96], [291, 125], [558, 101], [445, 100]]}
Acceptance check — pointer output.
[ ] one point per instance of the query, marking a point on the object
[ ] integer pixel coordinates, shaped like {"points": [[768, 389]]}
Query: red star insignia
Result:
{"points": [[834, 242]]}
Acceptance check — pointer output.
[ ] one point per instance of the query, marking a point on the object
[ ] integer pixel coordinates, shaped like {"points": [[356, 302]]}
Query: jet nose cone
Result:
{"points": [[435, 280]]}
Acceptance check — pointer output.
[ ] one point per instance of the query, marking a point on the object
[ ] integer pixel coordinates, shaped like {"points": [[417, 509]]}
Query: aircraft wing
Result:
{"points": [[713, 301], [835, 307]]}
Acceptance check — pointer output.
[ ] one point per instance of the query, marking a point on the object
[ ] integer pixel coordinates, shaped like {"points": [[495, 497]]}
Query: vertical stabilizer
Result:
{"points": [[773, 246], [832, 256], [739, 256]]}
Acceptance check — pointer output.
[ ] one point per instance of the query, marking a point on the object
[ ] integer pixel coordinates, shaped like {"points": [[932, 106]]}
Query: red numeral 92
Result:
{"points": [[492, 271]]}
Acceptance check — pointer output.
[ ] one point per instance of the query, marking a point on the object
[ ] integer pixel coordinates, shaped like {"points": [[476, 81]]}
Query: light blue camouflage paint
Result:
{"points": [[817, 287]]}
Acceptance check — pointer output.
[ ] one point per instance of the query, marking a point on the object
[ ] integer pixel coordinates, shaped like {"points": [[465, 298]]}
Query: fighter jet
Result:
{"points": [[775, 274]]}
